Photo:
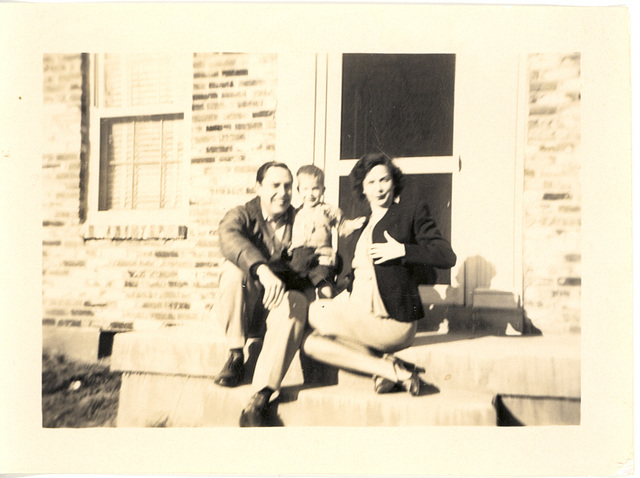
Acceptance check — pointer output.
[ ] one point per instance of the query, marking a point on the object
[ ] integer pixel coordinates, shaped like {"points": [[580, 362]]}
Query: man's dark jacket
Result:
{"points": [[247, 241]]}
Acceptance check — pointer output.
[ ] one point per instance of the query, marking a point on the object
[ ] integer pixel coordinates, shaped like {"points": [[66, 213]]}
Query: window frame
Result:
{"points": [[99, 220]]}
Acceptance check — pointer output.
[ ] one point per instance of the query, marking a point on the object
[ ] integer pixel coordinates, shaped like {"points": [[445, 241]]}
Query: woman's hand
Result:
{"points": [[386, 251]]}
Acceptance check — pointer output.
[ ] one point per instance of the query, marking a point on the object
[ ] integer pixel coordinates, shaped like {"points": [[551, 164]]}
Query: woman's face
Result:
{"points": [[378, 187]]}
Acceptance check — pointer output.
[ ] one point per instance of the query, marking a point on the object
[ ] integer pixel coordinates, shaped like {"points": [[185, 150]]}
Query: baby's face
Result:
{"points": [[310, 189]]}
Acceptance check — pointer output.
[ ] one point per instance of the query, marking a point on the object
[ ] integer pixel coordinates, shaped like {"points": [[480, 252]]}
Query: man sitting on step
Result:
{"points": [[257, 284]]}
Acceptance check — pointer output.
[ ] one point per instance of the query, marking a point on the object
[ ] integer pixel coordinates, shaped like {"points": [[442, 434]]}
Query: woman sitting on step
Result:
{"points": [[377, 314]]}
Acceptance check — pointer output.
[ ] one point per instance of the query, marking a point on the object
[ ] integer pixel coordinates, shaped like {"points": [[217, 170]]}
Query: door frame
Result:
{"points": [[327, 156]]}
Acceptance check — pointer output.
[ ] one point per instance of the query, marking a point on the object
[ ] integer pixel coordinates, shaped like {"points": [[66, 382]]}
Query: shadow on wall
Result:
{"points": [[500, 312]]}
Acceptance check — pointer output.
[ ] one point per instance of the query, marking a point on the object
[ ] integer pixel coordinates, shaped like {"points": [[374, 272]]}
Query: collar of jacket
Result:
{"points": [[389, 213], [254, 208]]}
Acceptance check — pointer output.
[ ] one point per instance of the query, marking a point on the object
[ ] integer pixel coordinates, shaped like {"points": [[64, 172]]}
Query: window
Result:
{"points": [[139, 137], [140, 162], [400, 104]]}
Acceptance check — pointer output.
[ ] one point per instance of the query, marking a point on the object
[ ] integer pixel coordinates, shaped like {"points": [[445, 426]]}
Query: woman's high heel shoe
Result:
{"points": [[413, 384]]}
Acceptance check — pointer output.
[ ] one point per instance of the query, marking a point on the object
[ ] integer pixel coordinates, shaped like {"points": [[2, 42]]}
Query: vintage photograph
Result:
{"points": [[365, 238], [176, 238]]}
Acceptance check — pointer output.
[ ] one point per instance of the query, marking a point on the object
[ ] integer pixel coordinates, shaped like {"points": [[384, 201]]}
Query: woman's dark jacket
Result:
{"points": [[426, 249]]}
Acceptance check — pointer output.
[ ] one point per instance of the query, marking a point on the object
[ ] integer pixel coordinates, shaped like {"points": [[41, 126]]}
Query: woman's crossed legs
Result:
{"points": [[348, 338]]}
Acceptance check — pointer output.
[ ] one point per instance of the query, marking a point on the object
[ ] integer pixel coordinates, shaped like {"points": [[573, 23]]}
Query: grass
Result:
{"points": [[78, 395]]}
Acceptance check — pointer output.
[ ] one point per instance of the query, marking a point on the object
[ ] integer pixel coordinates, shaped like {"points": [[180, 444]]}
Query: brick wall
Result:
{"points": [[63, 258], [552, 194], [233, 133], [112, 283]]}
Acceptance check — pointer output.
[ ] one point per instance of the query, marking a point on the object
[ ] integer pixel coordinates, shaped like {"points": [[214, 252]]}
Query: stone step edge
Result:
{"points": [[289, 392], [356, 381], [299, 405], [358, 409], [131, 355], [211, 338]]}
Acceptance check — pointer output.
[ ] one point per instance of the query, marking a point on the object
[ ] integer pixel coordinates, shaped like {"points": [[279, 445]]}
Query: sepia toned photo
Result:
{"points": [[380, 243], [162, 174]]}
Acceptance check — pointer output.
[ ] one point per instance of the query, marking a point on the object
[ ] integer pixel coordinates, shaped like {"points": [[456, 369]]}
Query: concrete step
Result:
{"points": [[338, 406], [513, 410], [185, 350], [520, 365], [537, 366], [153, 400], [540, 375], [538, 411], [198, 351]]}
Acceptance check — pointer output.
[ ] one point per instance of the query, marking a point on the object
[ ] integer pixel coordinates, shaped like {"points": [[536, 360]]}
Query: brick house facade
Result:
{"points": [[552, 193], [149, 272], [127, 276]]}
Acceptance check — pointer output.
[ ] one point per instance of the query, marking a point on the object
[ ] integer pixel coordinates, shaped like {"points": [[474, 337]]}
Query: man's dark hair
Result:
{"points": [[262, 170], [369, 161]]}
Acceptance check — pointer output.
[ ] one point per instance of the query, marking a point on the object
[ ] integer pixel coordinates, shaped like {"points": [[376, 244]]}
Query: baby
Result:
{"points": [[312, 251]]}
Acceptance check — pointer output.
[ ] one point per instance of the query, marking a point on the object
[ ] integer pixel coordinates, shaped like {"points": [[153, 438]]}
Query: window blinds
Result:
{"points": [[141, 162]]}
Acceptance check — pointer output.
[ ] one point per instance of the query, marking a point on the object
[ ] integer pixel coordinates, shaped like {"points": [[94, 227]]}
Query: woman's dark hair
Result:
{"points": [[369, 161]]}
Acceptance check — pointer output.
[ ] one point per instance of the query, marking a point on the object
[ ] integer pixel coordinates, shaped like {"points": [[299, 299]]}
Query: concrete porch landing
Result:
{"points": [[168, 381]]}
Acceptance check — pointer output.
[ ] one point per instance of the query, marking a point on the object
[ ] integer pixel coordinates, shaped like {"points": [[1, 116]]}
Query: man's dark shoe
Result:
{"points": [[256, 413], [232, 372]]}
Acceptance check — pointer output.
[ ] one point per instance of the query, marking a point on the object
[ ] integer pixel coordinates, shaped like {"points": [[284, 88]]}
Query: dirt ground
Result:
{"points": [[78, 395]]}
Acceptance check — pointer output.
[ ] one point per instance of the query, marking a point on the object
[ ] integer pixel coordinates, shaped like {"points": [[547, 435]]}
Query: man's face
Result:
{"points": [[275, 191]]}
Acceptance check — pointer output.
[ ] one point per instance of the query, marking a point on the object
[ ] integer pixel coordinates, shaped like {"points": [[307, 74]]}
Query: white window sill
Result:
{"points": [[134, 232], [138, 225]]}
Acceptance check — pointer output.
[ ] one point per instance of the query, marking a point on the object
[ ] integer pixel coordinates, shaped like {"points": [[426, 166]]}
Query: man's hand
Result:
{"points": [[358, 222], [273, 287], [386, 251]]}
